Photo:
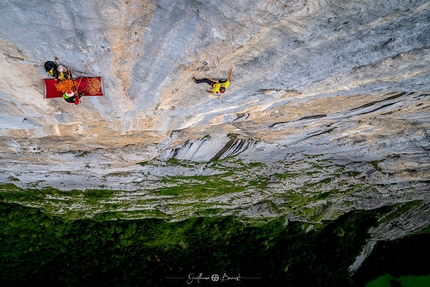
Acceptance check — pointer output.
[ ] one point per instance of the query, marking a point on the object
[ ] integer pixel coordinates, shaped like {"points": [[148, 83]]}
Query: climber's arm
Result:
{"points": [[231, 74]]}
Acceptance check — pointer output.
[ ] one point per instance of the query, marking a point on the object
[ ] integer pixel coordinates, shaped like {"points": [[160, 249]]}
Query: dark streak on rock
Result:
{"points": [[277, 123], [223, 150], [300, 119], [311, 117], [175, 152], [242, 116], [375, 102], [384, 106], [321, 133], [238, 143]]}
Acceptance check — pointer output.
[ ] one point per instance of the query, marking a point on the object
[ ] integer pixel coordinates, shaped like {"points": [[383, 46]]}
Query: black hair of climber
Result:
{"points": [[217, 86], [51, 68]]}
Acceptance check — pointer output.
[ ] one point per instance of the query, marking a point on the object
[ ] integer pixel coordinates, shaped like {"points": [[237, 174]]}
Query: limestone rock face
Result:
{"points": [[344, 83]]}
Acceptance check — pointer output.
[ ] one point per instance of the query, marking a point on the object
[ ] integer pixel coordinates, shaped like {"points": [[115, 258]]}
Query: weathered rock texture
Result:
{"points": [[344, 83]]}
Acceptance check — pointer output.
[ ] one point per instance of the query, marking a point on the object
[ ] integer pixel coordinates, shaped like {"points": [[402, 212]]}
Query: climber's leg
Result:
{"points": [[204, 80]]}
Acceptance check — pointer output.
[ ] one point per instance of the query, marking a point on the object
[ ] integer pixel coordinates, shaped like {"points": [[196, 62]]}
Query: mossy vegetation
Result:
{"points": [[375, 165], [11, 178], [400, 209], [38, 248], [300, 187], [144, 163], [404, 281]]}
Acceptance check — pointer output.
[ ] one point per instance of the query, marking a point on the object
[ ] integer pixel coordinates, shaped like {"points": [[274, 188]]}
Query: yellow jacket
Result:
{"points": [[217, 86]]}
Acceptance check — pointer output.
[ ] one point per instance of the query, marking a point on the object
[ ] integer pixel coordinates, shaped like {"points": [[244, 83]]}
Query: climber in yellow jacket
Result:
{"points": [[217, 86]]}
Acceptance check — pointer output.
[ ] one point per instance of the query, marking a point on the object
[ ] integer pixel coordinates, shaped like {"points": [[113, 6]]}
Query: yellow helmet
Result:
{"points": [[61, 76]]}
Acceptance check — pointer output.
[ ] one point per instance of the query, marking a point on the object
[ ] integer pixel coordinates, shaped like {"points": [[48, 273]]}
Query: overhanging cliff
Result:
{"points": [[328, 109]]}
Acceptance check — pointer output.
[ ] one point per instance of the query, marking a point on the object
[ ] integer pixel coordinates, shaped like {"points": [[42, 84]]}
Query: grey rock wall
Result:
{"points": [[346, 82]]}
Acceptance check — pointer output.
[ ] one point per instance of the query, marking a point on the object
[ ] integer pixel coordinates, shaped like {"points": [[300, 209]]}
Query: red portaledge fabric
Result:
{"points": [[50, 91]]}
